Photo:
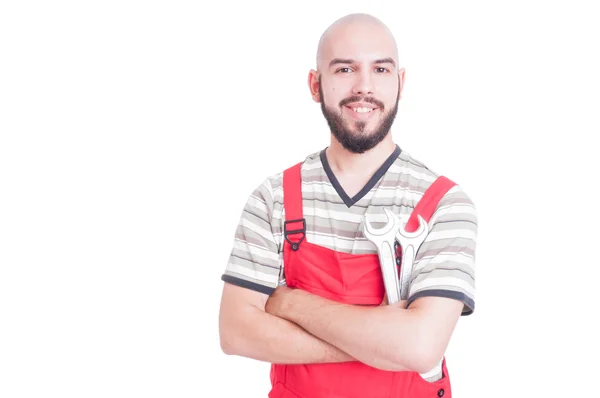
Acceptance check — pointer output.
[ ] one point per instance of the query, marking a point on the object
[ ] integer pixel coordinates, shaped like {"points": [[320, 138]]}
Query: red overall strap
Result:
{"points": [[292, 202], [428, 203]]}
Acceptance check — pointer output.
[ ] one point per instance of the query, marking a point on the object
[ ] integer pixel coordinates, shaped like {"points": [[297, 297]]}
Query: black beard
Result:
{"points": [[353, 142]]}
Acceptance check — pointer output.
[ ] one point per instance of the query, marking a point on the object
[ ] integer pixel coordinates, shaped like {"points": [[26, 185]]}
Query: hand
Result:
{"points": [[276, 303]]}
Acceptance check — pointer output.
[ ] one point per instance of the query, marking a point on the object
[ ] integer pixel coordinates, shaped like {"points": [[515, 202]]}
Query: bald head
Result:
{"points": [[354, 30], [358, 81]]}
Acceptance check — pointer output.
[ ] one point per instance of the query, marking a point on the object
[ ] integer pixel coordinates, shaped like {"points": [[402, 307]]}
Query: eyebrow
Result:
{"points": [[335, 61], [387, 60]]}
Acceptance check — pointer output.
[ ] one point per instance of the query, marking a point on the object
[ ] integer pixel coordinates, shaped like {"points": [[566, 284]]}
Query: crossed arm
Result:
{"points": [[293, 326]]}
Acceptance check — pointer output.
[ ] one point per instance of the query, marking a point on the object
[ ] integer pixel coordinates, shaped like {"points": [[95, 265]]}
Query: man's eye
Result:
{"points": [[344, 70], [382, 70]]}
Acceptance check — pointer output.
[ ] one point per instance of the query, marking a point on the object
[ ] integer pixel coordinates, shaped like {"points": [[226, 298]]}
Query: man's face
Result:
{"points": [[358, 88]]}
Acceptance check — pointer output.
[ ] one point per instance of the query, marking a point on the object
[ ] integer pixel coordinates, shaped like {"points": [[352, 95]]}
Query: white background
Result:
{"points": [[132, 133]]}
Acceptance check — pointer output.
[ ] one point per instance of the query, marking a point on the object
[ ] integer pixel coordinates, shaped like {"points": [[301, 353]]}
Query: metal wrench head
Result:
{"points": [[383, 233], [414, 237]]}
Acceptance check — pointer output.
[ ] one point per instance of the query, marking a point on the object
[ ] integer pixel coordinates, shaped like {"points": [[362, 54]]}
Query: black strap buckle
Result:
{"points": [[295, 245]]}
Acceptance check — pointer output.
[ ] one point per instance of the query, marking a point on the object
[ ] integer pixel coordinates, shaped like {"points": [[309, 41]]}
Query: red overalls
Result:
{"points": [[346, 278]]}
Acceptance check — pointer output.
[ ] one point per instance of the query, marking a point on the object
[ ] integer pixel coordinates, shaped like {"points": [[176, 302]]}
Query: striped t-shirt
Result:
{"points": [[444, 265]]}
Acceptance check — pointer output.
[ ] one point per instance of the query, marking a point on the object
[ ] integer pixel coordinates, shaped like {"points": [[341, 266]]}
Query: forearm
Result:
{"points": [[385, 337], [265, 337]]}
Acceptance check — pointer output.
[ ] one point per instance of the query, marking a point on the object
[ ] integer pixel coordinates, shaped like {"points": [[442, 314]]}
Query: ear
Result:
{"points": [[401, 76], [313, 85]]}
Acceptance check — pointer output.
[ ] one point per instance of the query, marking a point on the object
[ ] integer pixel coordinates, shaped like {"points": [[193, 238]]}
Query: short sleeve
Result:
{"points": [[445, 263], [254, 261]]}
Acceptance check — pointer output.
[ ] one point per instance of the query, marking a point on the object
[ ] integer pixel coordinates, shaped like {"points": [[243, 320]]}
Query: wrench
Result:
{"points": [[384, 239], [410, 243]]}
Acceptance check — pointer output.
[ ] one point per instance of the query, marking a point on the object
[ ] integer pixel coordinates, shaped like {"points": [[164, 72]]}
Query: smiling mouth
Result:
{"points": [[360, 113], [362, 109]]}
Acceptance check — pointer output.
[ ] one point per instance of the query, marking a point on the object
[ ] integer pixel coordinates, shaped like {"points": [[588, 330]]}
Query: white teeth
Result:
{"points": [[362, 110]]}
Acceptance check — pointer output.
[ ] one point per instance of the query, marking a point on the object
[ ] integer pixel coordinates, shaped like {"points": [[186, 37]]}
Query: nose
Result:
{"points": [[363, 85]]}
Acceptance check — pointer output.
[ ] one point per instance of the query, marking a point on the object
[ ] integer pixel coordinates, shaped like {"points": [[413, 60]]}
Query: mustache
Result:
{"points": [[355, 98]]}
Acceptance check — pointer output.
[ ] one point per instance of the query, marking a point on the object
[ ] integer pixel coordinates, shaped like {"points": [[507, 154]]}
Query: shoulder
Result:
{"points": [[415, 171], [271, 187], [421, 177]]}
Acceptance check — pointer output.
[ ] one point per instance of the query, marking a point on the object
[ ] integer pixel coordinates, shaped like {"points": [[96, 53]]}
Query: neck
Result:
{"points": [[343, 161]]}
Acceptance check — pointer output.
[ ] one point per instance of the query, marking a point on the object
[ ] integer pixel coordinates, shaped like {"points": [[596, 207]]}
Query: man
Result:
{"points": [[303, 286]]}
